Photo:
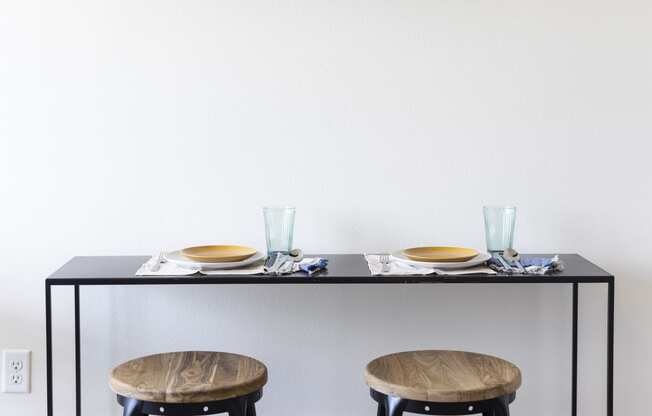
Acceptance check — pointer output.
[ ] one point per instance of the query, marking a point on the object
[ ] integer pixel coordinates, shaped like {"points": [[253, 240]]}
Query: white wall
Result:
{"points": [[128, 126]]}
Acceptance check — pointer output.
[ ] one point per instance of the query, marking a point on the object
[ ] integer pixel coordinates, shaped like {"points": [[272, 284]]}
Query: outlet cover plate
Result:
{"points": [[16, 366]]}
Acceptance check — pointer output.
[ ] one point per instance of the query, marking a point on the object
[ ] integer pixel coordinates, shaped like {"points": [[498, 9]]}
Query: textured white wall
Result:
{"points": [[128, 126]]}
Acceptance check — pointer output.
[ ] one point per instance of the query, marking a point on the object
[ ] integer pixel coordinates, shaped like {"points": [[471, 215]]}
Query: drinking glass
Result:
{"points": [[499, 227], [279, 228]]}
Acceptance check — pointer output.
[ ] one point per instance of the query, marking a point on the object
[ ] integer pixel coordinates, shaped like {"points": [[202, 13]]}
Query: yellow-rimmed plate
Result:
{"points": [[440, 254], [180, 260], [450, 265], [218, 254]]}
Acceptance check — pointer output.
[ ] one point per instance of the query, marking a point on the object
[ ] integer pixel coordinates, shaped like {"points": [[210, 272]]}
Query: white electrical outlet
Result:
{"points": [[16, 371]]}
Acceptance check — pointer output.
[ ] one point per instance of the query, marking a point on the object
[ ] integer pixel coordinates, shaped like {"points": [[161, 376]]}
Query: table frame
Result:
{"points": [[574, 281]]}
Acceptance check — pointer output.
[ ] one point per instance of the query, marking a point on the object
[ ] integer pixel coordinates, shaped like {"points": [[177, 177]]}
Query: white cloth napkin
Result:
{"points": [[254, 268], [156, 267], [399, 268]]}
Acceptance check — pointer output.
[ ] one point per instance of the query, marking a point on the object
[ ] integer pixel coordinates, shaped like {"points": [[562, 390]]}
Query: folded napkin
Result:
{"points": [[312, 265], [278, 264], [531, 265], [250, 269], [157, 266], [400, 268]]}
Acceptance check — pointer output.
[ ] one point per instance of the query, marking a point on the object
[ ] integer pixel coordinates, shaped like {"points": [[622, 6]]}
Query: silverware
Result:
{"points": [[296, 254], [159, 260], [278, 264], [502, 261], [384, 261], [512, 256]]}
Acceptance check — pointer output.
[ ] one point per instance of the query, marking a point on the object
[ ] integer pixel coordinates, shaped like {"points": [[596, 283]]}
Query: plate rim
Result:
{"points": [[188, 263], [199, 258], [468, 257]]}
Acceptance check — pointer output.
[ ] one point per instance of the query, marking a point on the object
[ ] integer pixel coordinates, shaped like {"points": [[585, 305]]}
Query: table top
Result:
{"points": [[342, 269]]}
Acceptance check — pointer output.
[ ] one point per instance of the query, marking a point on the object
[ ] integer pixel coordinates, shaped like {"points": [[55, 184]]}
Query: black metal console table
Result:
{"points": [[342, 269]]}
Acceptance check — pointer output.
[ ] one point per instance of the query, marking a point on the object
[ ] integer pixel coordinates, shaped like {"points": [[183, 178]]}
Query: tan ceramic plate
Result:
{"points": [[218, 254], [440, 254]]}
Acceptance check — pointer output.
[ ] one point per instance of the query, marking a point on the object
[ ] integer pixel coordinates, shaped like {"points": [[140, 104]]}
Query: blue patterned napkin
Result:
{"points": [[532, 265], [313, 265], [280, 264]]}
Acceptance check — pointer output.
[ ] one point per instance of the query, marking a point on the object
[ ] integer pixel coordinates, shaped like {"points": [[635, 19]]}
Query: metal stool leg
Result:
{"points": [[381, 409], [239, 407], [502, 407], [132, 407], [251, 408], [394, 406]]}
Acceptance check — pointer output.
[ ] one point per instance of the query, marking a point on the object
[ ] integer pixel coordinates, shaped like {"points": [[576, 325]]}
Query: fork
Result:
{"points": [[384, 261], [159, 260]]}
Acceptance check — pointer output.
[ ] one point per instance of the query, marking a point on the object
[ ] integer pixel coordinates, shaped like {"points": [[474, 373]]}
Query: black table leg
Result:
{"points": [[610, 347], [48, 346], [574, 353], [77, 356]]}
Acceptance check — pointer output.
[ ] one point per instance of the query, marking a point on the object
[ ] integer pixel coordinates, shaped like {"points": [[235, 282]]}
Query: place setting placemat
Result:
{"points": [[176, 264], [391, 265]]}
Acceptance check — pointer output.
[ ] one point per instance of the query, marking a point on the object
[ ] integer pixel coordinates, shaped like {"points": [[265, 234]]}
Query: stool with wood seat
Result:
{"points": [[442, 383], [189, 383]]}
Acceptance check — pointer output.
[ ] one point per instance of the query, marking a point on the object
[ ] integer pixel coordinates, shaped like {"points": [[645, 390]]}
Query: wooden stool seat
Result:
{"points": [[188, 377], [442, 376]]}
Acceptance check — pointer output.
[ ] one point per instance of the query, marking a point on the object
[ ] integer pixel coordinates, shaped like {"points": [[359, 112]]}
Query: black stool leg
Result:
{"points": [[239, 407], [502, 407], [381, 409], [394, 406], [251, 408], [132, 407]]}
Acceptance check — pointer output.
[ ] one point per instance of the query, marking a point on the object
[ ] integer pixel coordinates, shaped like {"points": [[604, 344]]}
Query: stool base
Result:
{"points": [[395, 406], [237, 406]]}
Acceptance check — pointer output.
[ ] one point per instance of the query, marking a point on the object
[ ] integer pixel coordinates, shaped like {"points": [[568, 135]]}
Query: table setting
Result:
{"points": [[500, 257], [231, 259], [282, 258], [429, 260]]}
